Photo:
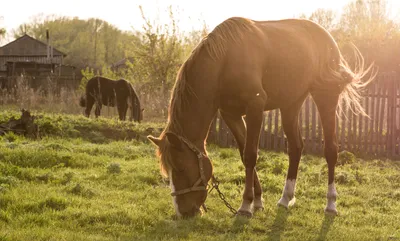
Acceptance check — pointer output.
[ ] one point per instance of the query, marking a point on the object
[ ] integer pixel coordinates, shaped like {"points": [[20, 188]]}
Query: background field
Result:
{"points": [[89, 179]]}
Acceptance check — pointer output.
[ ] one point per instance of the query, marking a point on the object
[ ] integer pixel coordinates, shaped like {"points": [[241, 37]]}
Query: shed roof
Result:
{"points": [[27, 46]]}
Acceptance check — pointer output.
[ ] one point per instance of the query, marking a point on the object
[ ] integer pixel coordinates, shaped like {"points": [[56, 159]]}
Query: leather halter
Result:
{"points": [[200, 156]]}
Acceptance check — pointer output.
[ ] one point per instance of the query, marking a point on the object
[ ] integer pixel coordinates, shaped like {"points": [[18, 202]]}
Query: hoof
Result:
{"points": [[284, 203], [331, 212], [243, 213], [258, 209], [258, 204]]}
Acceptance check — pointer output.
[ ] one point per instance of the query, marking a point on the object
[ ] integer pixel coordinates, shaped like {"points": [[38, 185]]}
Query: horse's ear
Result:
{"points": [[174, 140], [155, 140], [142, 109]]}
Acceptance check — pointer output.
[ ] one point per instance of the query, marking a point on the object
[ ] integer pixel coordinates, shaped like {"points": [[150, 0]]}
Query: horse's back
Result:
{"points": [[96, 83], [101, 88], [282, 58]]}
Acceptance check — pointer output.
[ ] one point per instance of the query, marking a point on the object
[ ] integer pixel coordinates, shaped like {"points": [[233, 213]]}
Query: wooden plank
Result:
{"points": [[301, 115], [313, 127], [360, 125], [343, 130], [389, 116], [366, 123], [381, 148], [269, 141], [371, 124], [229, 138], [377, 118], [262, 133], [320, 134], [276, 127], [397, 112], [337, 131], [392, 117], [349, 136], [354, 132], [282, 146], [212, 131], [307, 124], [222, 133]]}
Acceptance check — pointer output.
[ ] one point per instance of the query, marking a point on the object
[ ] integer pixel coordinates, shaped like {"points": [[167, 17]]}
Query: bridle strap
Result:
{"points": [[200, 156], [195, 187]]}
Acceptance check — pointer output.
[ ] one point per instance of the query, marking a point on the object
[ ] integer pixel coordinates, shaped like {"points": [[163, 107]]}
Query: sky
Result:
{"points": [[125, 14]]}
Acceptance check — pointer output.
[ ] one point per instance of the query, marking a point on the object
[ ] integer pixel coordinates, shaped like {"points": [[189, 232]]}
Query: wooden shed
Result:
{"points": [[37, 62], [28, 49]]}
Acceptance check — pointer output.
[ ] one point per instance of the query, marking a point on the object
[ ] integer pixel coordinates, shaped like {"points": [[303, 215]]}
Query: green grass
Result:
{"points": [[74, 185]]}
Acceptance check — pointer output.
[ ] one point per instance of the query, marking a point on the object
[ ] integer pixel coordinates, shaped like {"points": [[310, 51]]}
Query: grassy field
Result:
{"points": [[99, 180]]}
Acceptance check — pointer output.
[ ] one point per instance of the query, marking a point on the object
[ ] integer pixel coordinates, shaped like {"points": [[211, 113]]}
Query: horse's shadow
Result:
{"points": [[239, 223], [172, 228], [279, 223], [326, 225]]}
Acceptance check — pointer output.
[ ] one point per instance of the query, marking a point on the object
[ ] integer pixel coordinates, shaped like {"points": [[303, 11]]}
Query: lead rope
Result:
{"points": [[215, 185]]}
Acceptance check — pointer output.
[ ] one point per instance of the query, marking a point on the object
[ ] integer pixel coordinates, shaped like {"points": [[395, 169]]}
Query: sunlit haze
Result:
{"points": [[125, 14]]}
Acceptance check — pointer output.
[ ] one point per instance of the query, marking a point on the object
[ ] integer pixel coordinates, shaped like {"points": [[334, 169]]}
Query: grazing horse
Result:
{"points": [[104, 91], [243, 68]]}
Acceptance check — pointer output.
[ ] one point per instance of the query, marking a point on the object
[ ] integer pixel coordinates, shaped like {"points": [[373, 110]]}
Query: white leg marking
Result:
{"points": [[246, 208], [288, 198], [331, 199], [174, 197], [258, 203]]}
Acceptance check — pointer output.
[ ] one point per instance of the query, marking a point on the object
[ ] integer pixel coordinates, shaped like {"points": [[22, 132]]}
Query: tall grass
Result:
{"points": [[50, 98]]}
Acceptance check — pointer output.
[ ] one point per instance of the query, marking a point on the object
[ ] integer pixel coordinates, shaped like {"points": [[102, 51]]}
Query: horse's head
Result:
{"points": [[189, 170], [82, 101]]}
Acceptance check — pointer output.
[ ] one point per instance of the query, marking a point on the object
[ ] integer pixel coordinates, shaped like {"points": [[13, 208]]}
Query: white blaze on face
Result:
{"points": [[174, 197]]}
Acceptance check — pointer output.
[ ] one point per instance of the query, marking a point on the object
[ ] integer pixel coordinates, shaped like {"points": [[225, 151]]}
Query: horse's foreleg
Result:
{"points": [[327, 105], [254, 115], [238, 128], [89, 105], [122, 109], [295, 149]]}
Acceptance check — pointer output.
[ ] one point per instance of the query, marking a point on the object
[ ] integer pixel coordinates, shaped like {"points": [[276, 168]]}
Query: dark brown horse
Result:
{"points": [[243, 68], [120, 93]]}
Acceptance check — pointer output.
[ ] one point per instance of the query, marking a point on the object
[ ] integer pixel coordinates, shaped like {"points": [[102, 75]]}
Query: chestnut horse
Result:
{"points": [[120, 93], [243, 68]]}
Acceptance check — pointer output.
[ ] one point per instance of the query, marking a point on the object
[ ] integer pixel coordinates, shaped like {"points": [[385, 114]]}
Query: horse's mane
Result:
{"points": [[215, 43], [232, 30]]}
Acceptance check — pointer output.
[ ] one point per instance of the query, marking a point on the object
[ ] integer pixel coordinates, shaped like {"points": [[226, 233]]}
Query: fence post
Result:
{"points": [[269, 135]]}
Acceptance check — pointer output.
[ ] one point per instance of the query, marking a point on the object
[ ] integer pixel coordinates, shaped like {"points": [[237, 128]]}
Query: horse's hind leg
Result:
{"points": [[295, 149], [97, 110], [327, 104], [237, 126], [122, 109]]}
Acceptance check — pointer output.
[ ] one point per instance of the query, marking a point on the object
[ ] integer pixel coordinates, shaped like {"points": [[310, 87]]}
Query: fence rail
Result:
{"points": [[378, 134]]}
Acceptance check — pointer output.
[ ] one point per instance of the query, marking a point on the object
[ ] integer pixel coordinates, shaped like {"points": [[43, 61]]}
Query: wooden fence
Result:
{"points": [[377, 135]]}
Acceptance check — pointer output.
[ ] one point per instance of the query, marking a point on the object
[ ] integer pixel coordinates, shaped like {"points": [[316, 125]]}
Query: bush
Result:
{"points": [[114, 168]]}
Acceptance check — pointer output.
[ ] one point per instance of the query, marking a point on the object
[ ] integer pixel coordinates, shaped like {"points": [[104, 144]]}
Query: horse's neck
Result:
{"points": [[194, 121], [200, 106]]}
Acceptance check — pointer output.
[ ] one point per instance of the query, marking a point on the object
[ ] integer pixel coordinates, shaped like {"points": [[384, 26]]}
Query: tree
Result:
{"points": [[366, 23], [90, 43], [159, 53], [2, 31], [326, 18]]}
